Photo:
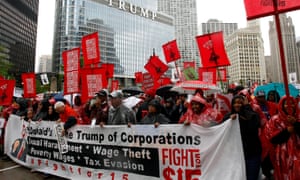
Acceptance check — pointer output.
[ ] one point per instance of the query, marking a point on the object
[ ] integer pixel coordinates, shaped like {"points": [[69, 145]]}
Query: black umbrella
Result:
{"points": [[164, 91], [133, 90]]}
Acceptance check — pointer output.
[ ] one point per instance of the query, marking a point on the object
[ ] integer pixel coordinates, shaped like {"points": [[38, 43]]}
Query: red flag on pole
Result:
{"points": [[138, 77], [171, 51], [261, 8], [212, 50], [29, 85], [109, 69], [90, 49], [156, 67], [71, 82], [207, 75], [92, 80], [6, 91], [71, 59], [188, 64]]}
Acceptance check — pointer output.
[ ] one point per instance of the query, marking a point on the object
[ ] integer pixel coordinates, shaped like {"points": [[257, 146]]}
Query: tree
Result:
{"points": [[5, 65]]}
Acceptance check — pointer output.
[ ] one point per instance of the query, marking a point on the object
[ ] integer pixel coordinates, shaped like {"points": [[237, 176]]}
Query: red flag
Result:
{"points": [[71, 59], [92, 80], [262, 8], [188, 64], [6, 91], [221, 75], [171, 51], [211, 48], [138, 77], [207, 75], [155, 67], [114, 85], [90, 49], [71, 82], [1, 77], [29, 85], [109, 69]]}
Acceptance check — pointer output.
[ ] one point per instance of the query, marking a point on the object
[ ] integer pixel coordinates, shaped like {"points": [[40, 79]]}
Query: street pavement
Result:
{"points": [[9, 170]]}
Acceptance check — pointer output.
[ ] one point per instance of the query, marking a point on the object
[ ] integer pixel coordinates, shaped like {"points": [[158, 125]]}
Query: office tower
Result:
{"points": [[290, 49], [246, 52], [185, 22], [45, 64], [18, 32], [128, 31]]}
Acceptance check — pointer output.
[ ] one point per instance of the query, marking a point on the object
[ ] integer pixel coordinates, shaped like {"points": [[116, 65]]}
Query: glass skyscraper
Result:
{"points": [[18, 32], [128, 31]]}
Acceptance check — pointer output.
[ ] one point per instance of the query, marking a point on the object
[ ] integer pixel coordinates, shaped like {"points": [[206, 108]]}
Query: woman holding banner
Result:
{"points": [[249, 127]]}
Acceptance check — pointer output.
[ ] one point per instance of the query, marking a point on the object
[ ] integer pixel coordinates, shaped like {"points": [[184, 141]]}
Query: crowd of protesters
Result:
{"points": [[269, 125]]}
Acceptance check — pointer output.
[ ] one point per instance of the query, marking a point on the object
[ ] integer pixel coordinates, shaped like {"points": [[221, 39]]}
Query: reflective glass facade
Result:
{"points": [[18, 32], [128, 31]]}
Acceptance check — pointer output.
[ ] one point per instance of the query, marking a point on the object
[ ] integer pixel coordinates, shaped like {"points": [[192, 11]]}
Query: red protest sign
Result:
{"points": [[92, 80], [71, 82], [212, 50], [6, 91], [29, 85], [71, 60], [171, 51], [90, 49]]}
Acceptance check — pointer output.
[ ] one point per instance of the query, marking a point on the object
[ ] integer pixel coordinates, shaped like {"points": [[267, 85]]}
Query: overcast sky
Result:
{"points": [[229, 11]]}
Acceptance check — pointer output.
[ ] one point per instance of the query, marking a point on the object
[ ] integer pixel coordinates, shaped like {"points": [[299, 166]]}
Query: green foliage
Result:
{"points": [[5, 65], [41, 88]]}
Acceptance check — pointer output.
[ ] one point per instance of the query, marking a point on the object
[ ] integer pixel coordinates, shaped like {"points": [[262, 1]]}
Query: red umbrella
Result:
{"points": [[189, 87]]}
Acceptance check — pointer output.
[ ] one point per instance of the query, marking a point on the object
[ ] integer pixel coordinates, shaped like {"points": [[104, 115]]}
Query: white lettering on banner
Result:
{"points": [[94, 83], [91, 48], [121, 4], [72, 81], [140, 152], [72, 61], [29, 83]]}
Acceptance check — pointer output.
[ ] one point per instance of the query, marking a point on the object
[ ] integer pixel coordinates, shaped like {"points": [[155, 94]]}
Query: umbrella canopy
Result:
{"points": [[133, 90], [278, 87], [189, 87], [165, 91]]}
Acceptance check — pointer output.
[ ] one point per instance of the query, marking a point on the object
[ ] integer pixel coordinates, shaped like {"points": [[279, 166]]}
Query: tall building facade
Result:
{"points": [[18, 32], [214, 25], [185, 22], [45, 64], [128, 31], [290, 49], [245, 50]]}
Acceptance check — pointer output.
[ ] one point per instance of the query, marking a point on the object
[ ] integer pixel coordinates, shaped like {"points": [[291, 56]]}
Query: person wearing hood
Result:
{"points": [[249, 127], [42, 110], [201, 113], [154, 115], [283, 131]]}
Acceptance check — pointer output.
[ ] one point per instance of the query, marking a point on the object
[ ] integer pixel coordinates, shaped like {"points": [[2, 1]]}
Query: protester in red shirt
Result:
{"points": [[283, 131], [67, 115]]}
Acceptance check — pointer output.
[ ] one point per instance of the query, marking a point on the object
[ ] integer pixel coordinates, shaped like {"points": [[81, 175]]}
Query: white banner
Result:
{"points": [[120, 153]]}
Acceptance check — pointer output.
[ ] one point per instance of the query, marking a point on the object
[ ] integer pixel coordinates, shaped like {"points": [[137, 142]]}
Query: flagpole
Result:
{"points": [[281, 49], [220, 78]]}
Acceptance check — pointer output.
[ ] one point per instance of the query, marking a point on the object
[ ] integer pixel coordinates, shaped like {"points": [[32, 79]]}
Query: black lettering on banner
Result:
{"points": [[144, 161]]}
